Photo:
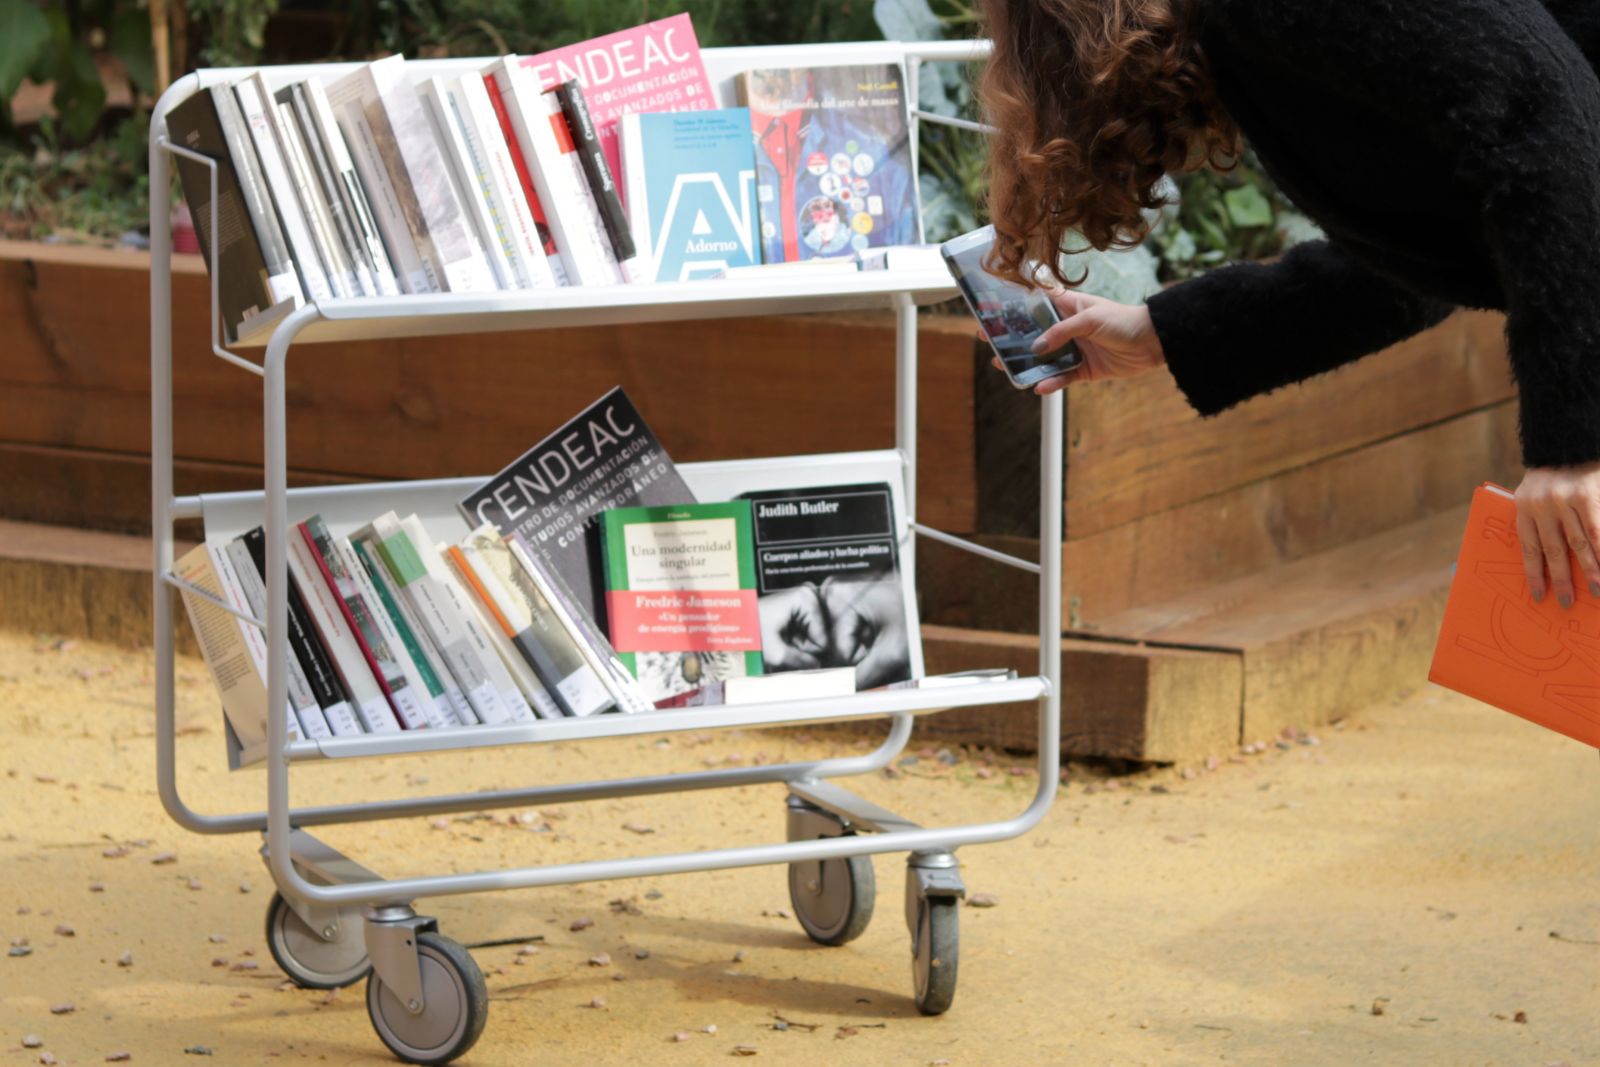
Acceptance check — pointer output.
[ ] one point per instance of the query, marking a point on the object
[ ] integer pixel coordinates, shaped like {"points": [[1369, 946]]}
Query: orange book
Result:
{"points": [[1534, 660]]}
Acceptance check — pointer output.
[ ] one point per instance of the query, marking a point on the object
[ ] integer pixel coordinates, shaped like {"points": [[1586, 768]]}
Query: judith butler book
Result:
{"points": [[550, 498], [833, 160], [827, 568], [681, 600], [691, 184], [1500, 646]]}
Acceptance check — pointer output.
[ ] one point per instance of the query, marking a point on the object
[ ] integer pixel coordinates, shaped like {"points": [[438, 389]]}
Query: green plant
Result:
{"points": [[234, 30], [56, 43], [1223, 217], [94, 191]]}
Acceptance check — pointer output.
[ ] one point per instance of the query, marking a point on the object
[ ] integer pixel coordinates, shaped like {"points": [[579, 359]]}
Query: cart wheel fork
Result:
{"points": [[933, 894], [392, 947]]}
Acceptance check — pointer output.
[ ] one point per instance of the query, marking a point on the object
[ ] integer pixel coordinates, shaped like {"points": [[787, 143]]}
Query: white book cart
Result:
{"points": [[333, 921]]}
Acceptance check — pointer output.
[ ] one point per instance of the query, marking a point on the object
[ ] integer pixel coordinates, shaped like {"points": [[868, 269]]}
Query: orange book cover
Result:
{"points": [[1534, 660]]}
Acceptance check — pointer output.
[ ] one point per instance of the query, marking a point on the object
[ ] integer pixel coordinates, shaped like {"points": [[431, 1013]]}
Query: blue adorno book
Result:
{"points": [[690, 179]]}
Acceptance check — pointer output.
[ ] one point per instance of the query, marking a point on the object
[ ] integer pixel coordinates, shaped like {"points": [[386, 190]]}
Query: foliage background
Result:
{"points": [[76, 170]]}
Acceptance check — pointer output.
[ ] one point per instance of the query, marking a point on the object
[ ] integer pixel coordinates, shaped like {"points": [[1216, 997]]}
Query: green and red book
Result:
{"points": [[681, 594]]}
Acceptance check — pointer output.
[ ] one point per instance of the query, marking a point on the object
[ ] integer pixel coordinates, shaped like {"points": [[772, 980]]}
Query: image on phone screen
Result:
{"points": [[1011, 316]]}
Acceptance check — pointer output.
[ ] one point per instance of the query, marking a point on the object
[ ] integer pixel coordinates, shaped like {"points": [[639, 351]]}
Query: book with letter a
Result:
{"points": [[691, 184], [681, 594], [549, 499], [1535, 660]]}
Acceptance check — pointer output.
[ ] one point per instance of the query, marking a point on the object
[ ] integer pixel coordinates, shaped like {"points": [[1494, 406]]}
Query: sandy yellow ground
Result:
{"points": [[1434, 858]]}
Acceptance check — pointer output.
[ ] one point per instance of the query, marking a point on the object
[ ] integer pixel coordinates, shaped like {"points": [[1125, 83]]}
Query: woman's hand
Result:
{"points": [[1558, 508], [1117, 340]]}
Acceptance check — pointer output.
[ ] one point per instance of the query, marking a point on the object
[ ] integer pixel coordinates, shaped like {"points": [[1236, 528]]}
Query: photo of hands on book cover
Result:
{"points": [[591, 581], [601, 163]]}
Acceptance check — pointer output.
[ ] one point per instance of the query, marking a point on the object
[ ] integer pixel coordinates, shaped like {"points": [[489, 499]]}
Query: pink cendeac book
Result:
{"points": [[653, 67], [1539, 661]]}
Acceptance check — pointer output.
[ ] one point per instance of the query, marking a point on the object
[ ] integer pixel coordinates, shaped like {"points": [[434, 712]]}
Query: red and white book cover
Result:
{"points": [[552, 158]]}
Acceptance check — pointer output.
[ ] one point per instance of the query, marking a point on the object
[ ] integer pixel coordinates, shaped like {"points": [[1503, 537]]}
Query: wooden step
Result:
{"points": [[1149, 704], [1322, 636], [79, 583], [1297, 644]]}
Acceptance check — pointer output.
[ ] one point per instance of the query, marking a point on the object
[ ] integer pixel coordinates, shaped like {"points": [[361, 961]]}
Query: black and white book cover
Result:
{"points": [[829, 583], [551, 497], [254, 272]]}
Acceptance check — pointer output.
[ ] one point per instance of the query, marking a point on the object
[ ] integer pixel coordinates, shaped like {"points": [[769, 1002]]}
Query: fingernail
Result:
{"points": [[1594, 589], [1538, 594], [1037, 346], [1565, 600]]}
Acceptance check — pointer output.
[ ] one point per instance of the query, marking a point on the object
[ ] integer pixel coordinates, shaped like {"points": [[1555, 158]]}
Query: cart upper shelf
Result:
{"points": [[790, 291]]}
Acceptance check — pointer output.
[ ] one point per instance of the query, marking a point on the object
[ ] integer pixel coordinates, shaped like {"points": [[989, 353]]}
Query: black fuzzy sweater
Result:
{"points": [[1451, 151]]}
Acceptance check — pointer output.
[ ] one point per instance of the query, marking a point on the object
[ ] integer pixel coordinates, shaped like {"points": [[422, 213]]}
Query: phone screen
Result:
{"points": [[1012, 317]]}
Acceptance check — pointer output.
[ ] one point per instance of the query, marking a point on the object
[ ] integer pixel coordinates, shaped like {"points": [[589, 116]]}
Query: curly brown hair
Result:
{"points": [[1093, 102]]}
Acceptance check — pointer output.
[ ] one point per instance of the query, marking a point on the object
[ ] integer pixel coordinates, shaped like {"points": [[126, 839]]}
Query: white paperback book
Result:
{"points": [[435, 710], [591, 644], [332, 199], [443, 235], [470, 176], [441, 618], [312, 721], [263, 120], [232, 669], [522, 674], [522, 605], [455, 700], [351, 189], [371, 705], [254, 641], [365, 125], [341, 276], [558, 176], [483, 127]]}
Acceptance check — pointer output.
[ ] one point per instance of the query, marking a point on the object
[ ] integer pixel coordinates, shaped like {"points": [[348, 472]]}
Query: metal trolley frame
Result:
{"points": [[333, 921]]}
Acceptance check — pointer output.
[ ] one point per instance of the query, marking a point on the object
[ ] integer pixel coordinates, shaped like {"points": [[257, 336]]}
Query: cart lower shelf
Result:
{"points": [[786, 713]]}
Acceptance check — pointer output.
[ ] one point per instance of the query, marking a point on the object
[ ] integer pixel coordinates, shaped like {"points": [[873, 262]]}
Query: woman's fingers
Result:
{"points": [[1553, 539], [1581, 536], [1081, 324], [1532, 554]]}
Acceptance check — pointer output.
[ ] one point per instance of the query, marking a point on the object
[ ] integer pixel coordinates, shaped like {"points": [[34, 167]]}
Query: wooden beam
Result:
{"points": [[1279, 519], [76, 375], [110, 491], [1135, 447]]}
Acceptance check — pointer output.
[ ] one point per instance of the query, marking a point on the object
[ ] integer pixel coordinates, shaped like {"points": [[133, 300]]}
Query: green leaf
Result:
{"points": [[24, 35], [128, 38], [1247, 206], [79, 97]]}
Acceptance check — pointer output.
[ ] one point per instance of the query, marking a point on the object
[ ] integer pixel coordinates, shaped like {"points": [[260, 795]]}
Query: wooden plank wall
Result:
{"points": [[74, 393]]}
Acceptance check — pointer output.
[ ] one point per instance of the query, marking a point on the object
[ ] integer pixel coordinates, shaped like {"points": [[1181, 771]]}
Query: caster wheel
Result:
{"points": [[935, 953], [456, 1005], [311, 961], [833, 899]]}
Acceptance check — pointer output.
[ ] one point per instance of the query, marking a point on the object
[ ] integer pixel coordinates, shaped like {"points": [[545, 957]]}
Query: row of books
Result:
{"points": [[592, 581], [602, 163]]}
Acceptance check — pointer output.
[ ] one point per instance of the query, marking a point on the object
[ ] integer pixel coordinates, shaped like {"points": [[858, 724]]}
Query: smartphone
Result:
{"points": [[1012, 317]]}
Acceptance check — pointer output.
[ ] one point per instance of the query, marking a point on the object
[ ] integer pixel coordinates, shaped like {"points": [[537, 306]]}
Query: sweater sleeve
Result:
{"points": [[1247, 329], [1502, 94]]}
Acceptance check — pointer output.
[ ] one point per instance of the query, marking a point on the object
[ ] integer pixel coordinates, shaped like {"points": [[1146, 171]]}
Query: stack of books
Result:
{"points": [[602, 163], [591, 581]]}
